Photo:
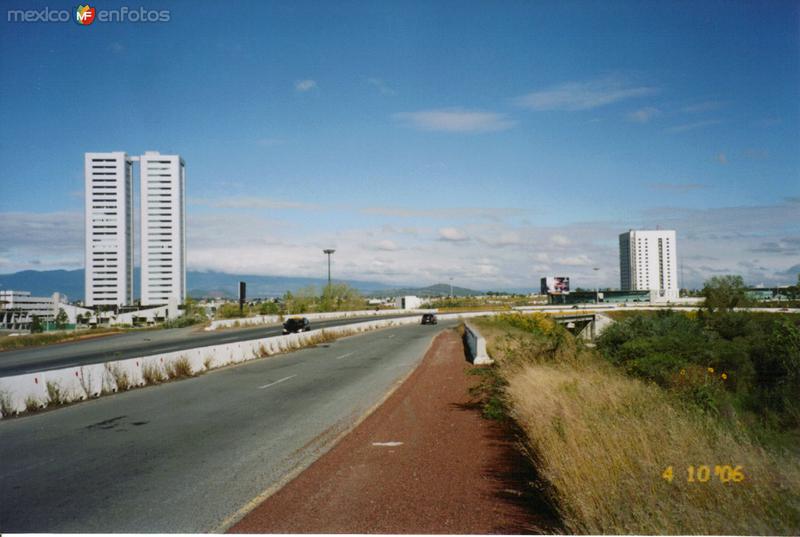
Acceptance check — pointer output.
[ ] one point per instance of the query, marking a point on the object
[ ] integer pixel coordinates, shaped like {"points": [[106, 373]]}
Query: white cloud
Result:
{"points": [[644, 115], [252, 202], [381, 86], [456, 120], [482, 254], [446, 213], [452, 234], [574, 96], [305, 85], [580, 260], [387, 245], [560, 240], [695, 125]]}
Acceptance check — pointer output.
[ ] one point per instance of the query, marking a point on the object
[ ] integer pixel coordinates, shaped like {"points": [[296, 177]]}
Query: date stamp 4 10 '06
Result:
{"points": [[704, 473]]}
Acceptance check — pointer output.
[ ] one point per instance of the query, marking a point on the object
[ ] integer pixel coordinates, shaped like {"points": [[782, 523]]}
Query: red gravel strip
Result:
{"points": [[454, 472]]}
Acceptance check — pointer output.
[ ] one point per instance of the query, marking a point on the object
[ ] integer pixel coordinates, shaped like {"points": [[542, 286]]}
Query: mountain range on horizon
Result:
{"points": [[214, 284]]}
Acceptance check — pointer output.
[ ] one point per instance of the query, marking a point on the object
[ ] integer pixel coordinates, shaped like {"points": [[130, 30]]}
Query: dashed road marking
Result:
{"points": [[387, 444], [391, 336], [276, 382], [345, 355]]}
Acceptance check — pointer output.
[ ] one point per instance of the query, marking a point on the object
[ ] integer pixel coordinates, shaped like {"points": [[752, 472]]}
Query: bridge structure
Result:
{"points": [[586, 326]]}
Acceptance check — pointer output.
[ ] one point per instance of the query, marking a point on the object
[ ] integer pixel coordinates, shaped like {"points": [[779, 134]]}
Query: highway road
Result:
{"points": [[138, 343], [186, 456]]}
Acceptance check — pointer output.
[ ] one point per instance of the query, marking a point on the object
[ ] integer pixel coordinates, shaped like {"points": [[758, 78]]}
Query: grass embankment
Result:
{"points": [[602, 440], [36, 340]]}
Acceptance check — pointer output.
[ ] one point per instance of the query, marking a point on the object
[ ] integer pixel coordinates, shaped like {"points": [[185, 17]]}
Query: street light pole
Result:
{"points": [[328, 252], [596, 287]]}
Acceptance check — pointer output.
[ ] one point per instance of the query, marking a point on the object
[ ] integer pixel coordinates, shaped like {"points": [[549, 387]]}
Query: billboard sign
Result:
{"points": [[242, 294], [555, 284]]}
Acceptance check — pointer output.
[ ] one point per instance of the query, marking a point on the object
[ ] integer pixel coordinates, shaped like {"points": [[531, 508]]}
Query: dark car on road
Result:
{"points": [[296, 324], [429, 318]]}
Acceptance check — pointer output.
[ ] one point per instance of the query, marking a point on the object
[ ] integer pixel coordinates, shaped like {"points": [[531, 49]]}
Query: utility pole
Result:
{"points": [[328, 252], [451, 287]]}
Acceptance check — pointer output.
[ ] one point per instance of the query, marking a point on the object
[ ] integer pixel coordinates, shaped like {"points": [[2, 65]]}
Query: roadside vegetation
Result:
{"points": [[35, 340], [489, 302], [192, 315], [676, 424], [334, 297]]}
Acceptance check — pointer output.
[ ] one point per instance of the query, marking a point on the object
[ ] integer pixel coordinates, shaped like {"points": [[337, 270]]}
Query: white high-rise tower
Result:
{"points": [[648, 261], [163, 224], [109, 229]]}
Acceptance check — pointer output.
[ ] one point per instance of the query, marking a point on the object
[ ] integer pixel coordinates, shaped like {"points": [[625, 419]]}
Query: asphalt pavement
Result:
{"points": [[187, 456], [138, 343]]}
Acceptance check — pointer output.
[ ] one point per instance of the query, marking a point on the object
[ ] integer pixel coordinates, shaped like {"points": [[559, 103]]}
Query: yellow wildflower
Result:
{"points": [[710, 369], [724, 376], [683, 372]]}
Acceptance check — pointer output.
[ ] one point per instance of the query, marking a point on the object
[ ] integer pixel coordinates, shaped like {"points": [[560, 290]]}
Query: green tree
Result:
{"points": [[269, 308], [61, 319], [303, 301], [723, 293], [341, 297], [230, 310], [36, 325]]}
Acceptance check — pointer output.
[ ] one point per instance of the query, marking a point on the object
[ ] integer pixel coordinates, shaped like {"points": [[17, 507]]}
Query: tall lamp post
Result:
{"points": [[328, 252], [596, 287]]}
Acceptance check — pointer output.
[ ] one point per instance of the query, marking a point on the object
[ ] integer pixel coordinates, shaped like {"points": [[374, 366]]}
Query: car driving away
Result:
{"points": [[429, 318], [296, 324]]}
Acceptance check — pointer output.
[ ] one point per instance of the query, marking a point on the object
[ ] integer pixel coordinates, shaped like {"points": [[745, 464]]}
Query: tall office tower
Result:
{"points": [[163, 221], [648, 261], [109, 229]]}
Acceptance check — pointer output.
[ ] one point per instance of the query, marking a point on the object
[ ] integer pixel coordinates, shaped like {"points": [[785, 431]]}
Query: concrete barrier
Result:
{"points": [[274, 319], [38, 390], [477, 345]]}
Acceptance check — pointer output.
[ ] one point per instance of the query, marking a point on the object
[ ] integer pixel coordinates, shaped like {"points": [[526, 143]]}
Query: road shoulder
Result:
{"points": [[423, 462]]}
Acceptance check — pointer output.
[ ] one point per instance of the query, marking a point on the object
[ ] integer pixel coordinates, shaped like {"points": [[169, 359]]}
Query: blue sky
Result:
{"points": [[491, 142]]}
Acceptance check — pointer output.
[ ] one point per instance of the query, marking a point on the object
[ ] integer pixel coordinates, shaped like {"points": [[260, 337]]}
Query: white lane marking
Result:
{"points": [[345, 355], [387, 444], [276, 382], [391, 336]]}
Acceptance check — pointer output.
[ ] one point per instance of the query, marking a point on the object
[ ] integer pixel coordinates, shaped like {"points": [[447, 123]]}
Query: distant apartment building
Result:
{"points": [[648, 262], [109, 229], [163, 228]]}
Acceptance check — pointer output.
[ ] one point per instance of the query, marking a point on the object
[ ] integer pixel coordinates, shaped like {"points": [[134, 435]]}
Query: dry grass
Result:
{"points": [[153, 373], [601, 440], [467, 309], [32, 404], [179, 369], [6, 408], [36, 340], [323, 336], [120, 376], [55, 394]]}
